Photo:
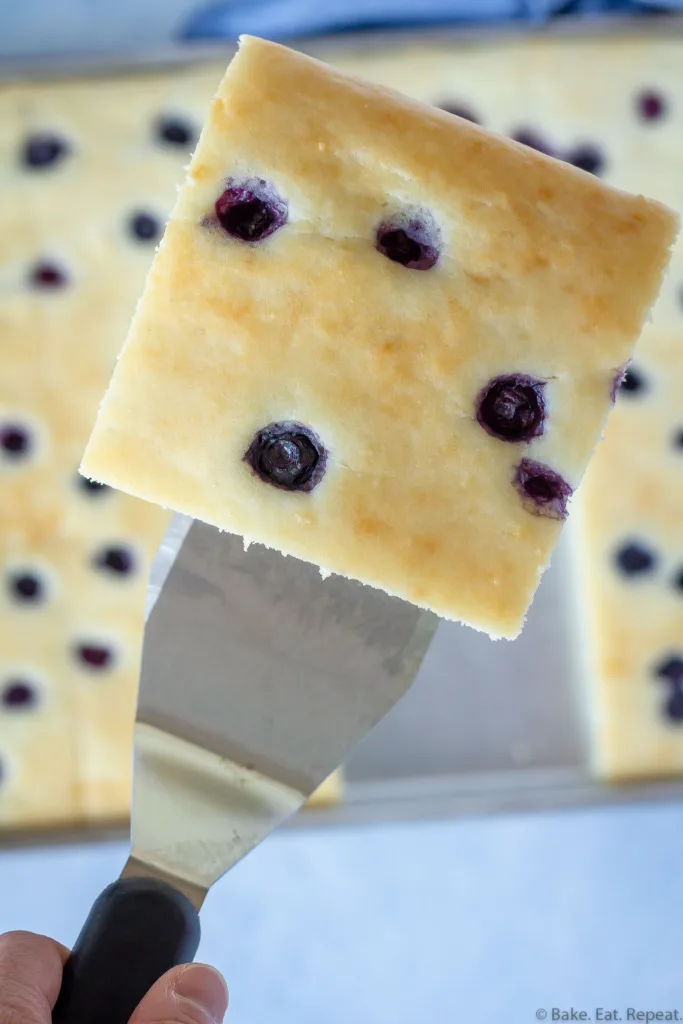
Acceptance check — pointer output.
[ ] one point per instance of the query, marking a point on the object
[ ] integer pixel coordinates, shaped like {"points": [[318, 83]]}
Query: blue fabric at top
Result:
{"points": [[283, 18]]}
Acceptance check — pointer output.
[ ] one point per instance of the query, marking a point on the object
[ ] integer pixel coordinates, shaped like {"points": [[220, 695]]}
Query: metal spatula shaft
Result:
{"points": [[258, 677]]}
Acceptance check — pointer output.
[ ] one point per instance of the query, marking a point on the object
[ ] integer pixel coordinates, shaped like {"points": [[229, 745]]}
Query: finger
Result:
{"points": [[191, 994], [30, 977]]}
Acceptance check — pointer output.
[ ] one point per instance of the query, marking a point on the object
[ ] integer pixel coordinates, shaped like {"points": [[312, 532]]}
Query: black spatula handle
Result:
{"points": [[137, 930]]}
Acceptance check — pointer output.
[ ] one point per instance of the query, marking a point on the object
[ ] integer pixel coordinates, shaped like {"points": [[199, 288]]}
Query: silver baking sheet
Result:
{"points": [[491, 726], [488, 726]]}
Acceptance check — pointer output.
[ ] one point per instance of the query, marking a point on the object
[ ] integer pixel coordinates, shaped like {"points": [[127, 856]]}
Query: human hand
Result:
{"points": [[31, 976]]}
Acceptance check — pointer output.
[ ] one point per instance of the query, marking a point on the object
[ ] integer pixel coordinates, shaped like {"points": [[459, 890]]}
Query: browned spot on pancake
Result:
{"points": [[539, 261], [369, 527], [628, 227], [426, 546]]}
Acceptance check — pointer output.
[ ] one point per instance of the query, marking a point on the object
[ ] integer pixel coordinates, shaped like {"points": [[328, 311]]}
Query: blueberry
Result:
{"points": [[18, 693], [43, 150], [587, 158], [288, 456], [145, 227], [651, 105], [459, 111], [91, 487], [411, 241], [94, 656], [678, 439], [26, 588], [671, 669], [633, 559], [251, 211], [543, 491], [15, 442], [674, 705], [47, 275], [512, 408], [633, 382], [175, 131], [678, 581], [117, 560], [530, 138]]}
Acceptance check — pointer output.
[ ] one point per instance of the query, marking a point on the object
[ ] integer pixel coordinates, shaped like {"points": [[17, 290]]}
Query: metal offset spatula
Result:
{"points": [[257, 678]]}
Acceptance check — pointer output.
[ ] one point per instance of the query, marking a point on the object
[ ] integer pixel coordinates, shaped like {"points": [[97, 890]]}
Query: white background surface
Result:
{"points": [[477, 922]]}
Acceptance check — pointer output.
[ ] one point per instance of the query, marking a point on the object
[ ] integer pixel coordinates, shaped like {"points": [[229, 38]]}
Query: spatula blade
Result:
{"points": [[258, 677]]}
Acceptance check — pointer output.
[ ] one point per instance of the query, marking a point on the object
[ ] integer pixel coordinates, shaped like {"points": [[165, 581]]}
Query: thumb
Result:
{"points": [[190, 994]]}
